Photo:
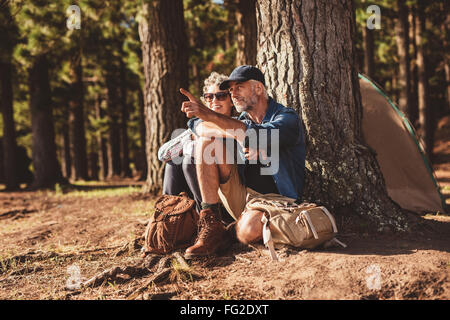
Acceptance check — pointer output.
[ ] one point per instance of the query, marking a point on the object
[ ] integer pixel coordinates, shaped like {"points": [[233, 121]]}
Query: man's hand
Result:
{"points": [[252, 154], [194, 107]]}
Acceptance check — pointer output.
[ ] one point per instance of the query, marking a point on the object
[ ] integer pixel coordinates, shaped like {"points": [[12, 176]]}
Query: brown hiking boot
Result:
{"points": [[210, 236]]}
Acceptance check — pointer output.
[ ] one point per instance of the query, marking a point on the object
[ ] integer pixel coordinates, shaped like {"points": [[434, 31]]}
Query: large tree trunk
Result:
{"points": [[78, 152], [402, 40], [425, 116], [307, 53], [246, 32], [164, 43], [47, 171], [9, 132]]}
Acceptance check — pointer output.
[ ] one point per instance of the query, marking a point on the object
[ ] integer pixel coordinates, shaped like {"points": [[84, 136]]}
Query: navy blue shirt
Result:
{"points": [[290, 176]]}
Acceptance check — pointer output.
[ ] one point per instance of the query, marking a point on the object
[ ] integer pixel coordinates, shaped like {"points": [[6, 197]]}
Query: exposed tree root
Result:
{"points": [[111, 274]]}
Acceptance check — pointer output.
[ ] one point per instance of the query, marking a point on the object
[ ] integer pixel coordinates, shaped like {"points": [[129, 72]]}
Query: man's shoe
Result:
{"points": [[210, 236], [229, 238]]}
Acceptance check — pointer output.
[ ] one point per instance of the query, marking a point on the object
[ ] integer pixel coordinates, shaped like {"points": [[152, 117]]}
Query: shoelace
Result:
{"points": [[204, 228]]}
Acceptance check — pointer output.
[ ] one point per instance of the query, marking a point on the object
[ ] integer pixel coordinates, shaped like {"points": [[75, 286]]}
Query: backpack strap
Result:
{"points": [[308, 219], [267, 238], [333, 222]]}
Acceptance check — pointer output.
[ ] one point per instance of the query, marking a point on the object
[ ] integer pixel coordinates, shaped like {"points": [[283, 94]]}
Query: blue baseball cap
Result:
{"points": [[242, 74]]}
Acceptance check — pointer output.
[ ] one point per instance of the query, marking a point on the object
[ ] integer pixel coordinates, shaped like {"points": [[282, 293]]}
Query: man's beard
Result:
{"points": [[243, 104]]}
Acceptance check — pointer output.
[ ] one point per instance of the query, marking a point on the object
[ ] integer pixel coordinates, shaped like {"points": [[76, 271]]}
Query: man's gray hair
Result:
{"points": [[255, 82], [214, 79]]}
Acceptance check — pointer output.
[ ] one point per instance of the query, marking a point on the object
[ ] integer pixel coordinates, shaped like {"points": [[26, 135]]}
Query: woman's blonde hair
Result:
{"points": [[214, 79]]}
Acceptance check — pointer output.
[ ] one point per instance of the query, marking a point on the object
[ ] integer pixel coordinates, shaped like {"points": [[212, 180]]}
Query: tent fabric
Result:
{"points": [[409, 178]]}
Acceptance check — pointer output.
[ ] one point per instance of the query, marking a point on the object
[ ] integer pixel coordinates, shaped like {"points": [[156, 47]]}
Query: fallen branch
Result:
{"points": [[111, 274]]}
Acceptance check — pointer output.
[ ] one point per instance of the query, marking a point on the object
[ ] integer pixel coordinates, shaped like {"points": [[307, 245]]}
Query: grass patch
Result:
{"points": [[95, 190]]}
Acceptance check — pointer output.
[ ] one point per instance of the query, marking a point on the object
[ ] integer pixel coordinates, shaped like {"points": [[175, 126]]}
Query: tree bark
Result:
{"points": [[78, 152], [402, 40], [307, 53], [164, 43], [47, 171], [425, 116], [9, 131], [246, 32]]}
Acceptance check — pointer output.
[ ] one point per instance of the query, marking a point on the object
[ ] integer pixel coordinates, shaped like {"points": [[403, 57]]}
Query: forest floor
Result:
{"points": [[51, 240]]}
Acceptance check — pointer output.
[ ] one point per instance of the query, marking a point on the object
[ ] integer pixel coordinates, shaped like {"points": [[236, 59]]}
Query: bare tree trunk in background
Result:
{"points": [[196, 42], [402, 40], [93, 160], [445, 32], [230, 6], [164, 42], [394, 88], [66, 158], [246, 32], [307, 53], [142, 155], [369, 56], [101, 141], [9, 130], [124, 150], [47, 171], [9, 168], [425, 116], [113, 141], [78, 152], [414, 109]]}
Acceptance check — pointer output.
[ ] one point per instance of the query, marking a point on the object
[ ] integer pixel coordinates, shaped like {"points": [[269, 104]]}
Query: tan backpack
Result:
{"points": [[172, 226], [305, 225]]}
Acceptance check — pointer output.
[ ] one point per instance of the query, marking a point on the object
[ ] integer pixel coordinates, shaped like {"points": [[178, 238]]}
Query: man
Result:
{"points": [[260, 117]]}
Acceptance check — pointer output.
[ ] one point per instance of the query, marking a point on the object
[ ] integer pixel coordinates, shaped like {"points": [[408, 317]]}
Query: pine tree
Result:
{"points": [[164, 49], [8, 39], [320, 80]]}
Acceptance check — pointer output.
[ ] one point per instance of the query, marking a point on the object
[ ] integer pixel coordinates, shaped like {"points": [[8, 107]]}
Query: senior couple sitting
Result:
{"points": [[225, 159]]}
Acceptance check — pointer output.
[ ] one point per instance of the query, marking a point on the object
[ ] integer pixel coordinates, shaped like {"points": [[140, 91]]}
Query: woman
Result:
{"points": [[181, 176]]}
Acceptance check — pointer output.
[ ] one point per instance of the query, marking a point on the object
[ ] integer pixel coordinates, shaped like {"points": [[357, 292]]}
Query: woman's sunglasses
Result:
{"points": [[221, 96]]}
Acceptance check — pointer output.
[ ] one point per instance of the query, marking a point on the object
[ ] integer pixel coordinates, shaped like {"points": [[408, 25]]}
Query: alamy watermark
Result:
{"points": [[373, 280], [73, 21], [374, 21], [263, 144], [74, 281]]}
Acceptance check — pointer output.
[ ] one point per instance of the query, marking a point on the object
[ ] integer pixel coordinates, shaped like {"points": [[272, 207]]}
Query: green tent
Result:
{"points": [[409, 177]]}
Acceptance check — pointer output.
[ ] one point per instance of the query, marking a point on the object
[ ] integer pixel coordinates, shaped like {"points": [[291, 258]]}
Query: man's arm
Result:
{"points": [[214, 124]]}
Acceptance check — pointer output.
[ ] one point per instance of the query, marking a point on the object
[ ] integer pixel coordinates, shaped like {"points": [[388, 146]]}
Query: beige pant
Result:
{"points": [[233, 194]]}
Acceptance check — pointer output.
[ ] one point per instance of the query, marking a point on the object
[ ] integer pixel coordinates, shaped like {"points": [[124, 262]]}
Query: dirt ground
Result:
{"points": [[52, 240]]}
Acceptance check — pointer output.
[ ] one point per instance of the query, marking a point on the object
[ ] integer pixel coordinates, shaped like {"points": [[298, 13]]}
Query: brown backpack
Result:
{"points": [[172, 226]]}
